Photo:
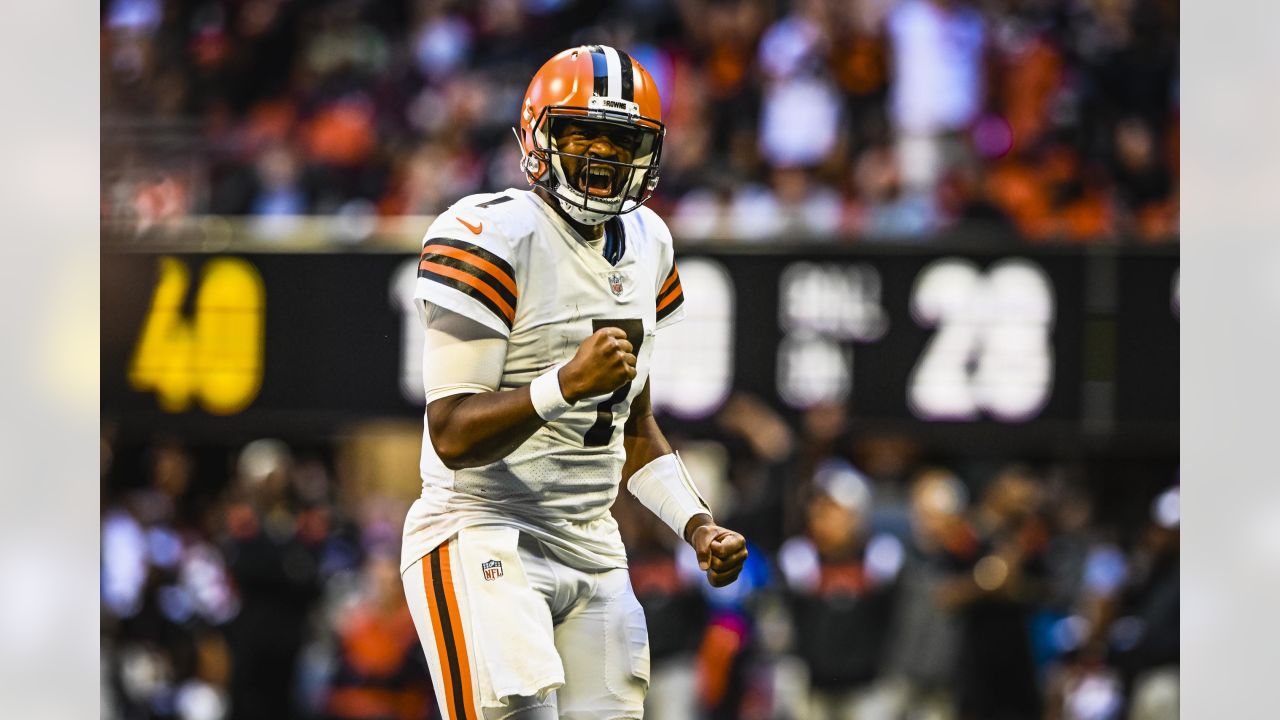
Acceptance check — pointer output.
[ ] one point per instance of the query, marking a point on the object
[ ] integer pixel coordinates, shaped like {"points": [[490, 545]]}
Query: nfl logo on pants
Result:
{"points": [[492, 569]]}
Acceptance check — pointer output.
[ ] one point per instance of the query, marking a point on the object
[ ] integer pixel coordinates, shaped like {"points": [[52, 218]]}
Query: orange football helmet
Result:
{"points": [[593, 85]]}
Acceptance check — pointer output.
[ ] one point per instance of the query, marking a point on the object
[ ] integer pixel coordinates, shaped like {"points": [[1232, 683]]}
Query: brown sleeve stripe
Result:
{"points": [[446, 623], [675, 297], [492, 267], [465, 267], [470, 269], [503, 268], [670, 303], [665, 298], [670, 287], [670, 295], [672, 277], [469, 284], [666, 312]]}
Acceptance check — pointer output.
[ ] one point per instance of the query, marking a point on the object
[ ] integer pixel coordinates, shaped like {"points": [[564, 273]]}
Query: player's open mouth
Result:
{"points": [[597, 180]]}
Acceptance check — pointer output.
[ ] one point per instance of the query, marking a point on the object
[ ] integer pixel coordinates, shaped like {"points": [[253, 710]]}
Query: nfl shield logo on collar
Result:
{"points": [[492, 569], [615, 282]]}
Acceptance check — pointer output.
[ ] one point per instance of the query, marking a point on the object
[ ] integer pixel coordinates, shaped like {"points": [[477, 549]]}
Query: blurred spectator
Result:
{"points": [[1063, 119], [165, 594], [885, 209], [1145, 634], [272, 547], [381, 672], [731, 677], [821, 436], [793, 207], [995, 580], [891, 598], [937, 88], [964, 202], [1085, 571], [429, 178], [442, 41], [756, 445], [279, 187], [840, 580], [924, 641], [1143, 183], [706, 214], [792, 58], [806, 206]]}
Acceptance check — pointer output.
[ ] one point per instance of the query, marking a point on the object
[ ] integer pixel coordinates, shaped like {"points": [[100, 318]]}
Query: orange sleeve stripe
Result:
{"points": [[493, 270], [446, 680], [679, 292], [474, 282], [674, 277], [459, 635]]}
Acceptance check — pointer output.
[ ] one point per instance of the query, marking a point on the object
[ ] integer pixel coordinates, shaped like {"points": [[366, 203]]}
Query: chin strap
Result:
{"points": [[528, 163]]}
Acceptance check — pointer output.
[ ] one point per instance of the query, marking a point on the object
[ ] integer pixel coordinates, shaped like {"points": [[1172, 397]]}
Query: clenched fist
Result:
{"points": [[721, 553], [604, 362]]}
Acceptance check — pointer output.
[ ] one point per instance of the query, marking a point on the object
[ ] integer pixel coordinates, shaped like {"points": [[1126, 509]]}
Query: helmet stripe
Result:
{"points": [[628, 78], [599, 69], [615, 71]]}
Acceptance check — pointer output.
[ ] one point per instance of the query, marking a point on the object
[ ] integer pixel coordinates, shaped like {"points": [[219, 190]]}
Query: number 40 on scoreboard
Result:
{"points": [[215, 356]]}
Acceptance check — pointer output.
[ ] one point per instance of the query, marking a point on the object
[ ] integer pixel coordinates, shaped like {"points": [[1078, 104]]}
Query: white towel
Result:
{"points": [[511, 629]]}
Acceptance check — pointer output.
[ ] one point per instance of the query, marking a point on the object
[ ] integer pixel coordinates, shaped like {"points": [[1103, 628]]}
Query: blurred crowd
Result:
{"points": [[1045, 120], [885, 581]]}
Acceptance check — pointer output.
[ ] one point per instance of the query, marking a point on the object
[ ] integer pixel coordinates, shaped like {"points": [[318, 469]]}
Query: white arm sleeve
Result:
{"points": [[460, 355], [665, 488]]}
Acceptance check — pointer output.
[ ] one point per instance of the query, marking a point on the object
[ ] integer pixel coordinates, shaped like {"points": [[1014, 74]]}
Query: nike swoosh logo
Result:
{"points": [[475, 229]]}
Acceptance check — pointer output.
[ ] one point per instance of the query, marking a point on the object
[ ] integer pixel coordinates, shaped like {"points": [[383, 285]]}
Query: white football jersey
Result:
{"points": [[510, 262]]}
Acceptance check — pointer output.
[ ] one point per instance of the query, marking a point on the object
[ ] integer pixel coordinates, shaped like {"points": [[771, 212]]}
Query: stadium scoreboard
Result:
{"points": [[1062, 342]]}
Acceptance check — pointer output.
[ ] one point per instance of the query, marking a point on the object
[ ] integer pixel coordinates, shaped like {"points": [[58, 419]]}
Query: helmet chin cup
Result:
{"points": [[579, 205], [576, 211]]}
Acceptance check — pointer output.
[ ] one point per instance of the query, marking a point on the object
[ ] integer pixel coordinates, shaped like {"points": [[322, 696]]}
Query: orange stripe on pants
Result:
{"points": [[449, 614], [428, 586], [459, 637]]}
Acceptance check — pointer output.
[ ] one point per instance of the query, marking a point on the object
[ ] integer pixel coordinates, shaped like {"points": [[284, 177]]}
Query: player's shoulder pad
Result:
{"points": [[652, 229], [470, 260], [506, 218], [670, 293], [475, 218]]}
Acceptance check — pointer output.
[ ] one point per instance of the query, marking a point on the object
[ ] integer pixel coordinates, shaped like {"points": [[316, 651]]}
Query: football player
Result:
{"points": [[542, 309]]}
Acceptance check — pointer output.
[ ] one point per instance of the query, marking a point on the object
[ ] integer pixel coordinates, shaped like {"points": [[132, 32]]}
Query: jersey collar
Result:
{"points": [[618, 253]]}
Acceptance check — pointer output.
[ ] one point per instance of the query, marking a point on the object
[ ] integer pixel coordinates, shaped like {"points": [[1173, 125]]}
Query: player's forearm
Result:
{"points": [[481, 428], [644, 442]]}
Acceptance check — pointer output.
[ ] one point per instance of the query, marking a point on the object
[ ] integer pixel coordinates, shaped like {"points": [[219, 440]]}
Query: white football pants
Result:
{"points": [[511, 632]]}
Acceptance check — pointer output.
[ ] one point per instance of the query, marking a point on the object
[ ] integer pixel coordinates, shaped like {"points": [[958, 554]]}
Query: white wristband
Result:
{"points": [[545, 393], [665, 488]]}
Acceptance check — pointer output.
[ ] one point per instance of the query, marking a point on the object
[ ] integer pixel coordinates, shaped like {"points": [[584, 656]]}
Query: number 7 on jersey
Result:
{"points": [[601, 431]]}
